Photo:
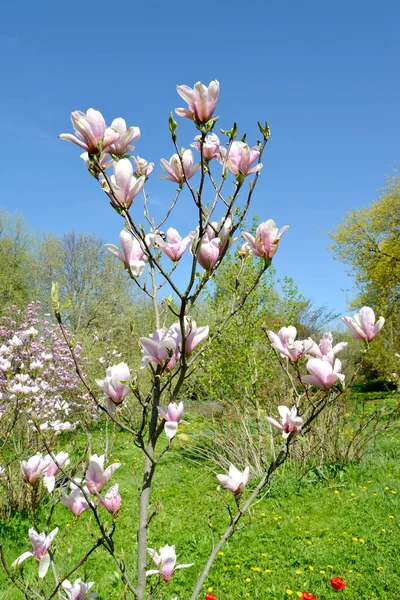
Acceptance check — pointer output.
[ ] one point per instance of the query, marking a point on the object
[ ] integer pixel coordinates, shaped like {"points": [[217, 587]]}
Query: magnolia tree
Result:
{"points": [[152, 258], [36, 371]]}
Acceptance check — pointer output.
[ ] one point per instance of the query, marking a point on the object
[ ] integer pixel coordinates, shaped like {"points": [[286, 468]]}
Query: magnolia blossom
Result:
{"points": [[363, 324], [235, 481], [174, 246], [79, 590], [76, 501], [34, 468], [194, 335], [174, 167], [62, 460], [162, 348], [286, 344], [96, 476], [92, 133], [267, 239], [323, 374], [172, 416], [126, 135], [219, 230], [111, 385], [201, 99], [40, 545], [112, 500], [60, 426], [142, 167], [133, 253], [245, 250], [325, 349], [291, 423], [211, 146], [241, 158], [208, 252], [165, 561], [125, 186]]}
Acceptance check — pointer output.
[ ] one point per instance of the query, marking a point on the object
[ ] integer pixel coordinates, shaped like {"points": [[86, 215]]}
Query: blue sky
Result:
{"points": [[325, 76]]}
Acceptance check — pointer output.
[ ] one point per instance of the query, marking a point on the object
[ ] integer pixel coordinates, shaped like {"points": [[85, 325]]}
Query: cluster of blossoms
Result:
{"points": [[323, 368], [96, 477], [36, 369], [324, 372], [135, 253], [108, 147], [40, 552]]}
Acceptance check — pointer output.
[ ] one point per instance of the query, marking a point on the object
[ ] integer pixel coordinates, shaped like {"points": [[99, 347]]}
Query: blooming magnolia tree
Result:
{"points": [[151, 258]]}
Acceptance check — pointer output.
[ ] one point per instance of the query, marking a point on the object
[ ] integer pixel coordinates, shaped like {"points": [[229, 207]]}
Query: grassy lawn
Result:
{"points": [[295, 539]]}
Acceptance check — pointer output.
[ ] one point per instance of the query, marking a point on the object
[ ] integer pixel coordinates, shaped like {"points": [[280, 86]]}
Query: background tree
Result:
{"points": [[15, 260]]}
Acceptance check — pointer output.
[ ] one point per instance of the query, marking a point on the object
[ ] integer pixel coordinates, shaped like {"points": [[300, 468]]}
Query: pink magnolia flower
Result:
{"points": [[211, 146], [172, 416], [291, 423], [286, 344], [325, 348], [175, 246], [112, 500], [208, 252], [91, 131], [79, 590], [174, 167], [133, 253], [194, 335], [49, 474], [363, 324], [166, 562], [34, 468], [124, 184], [245, 250], [111, 385], [40, 545], [126, 135], [220, 230], [162, 348], [142, 167], [241, 158], [235, 481], [96, 476], [201, 99], [267, 239], [323, 374], [76, 501]]}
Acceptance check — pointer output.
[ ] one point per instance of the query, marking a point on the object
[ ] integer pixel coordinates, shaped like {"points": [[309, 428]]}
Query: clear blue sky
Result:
{"points": [[324, 74]]}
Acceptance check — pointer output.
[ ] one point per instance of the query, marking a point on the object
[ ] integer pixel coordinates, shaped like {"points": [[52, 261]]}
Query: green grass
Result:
{"points": [[295, 539]]}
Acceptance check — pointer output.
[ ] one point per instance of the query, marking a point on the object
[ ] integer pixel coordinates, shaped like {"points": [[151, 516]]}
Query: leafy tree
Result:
{"points": [[15, 261], [368, 240]]}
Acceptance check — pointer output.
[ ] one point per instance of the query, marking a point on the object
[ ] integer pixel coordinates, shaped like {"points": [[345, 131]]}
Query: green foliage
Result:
{"points": [[15, 261], [368, 240]]}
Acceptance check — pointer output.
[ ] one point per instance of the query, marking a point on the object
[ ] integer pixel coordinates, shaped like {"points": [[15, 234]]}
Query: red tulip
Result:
{"points": [[211, 597], [307, 596], [337, 583]]}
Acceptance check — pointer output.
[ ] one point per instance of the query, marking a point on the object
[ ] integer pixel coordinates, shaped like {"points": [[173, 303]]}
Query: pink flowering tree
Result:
{"points": [[37, 383], [214, 184]]}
